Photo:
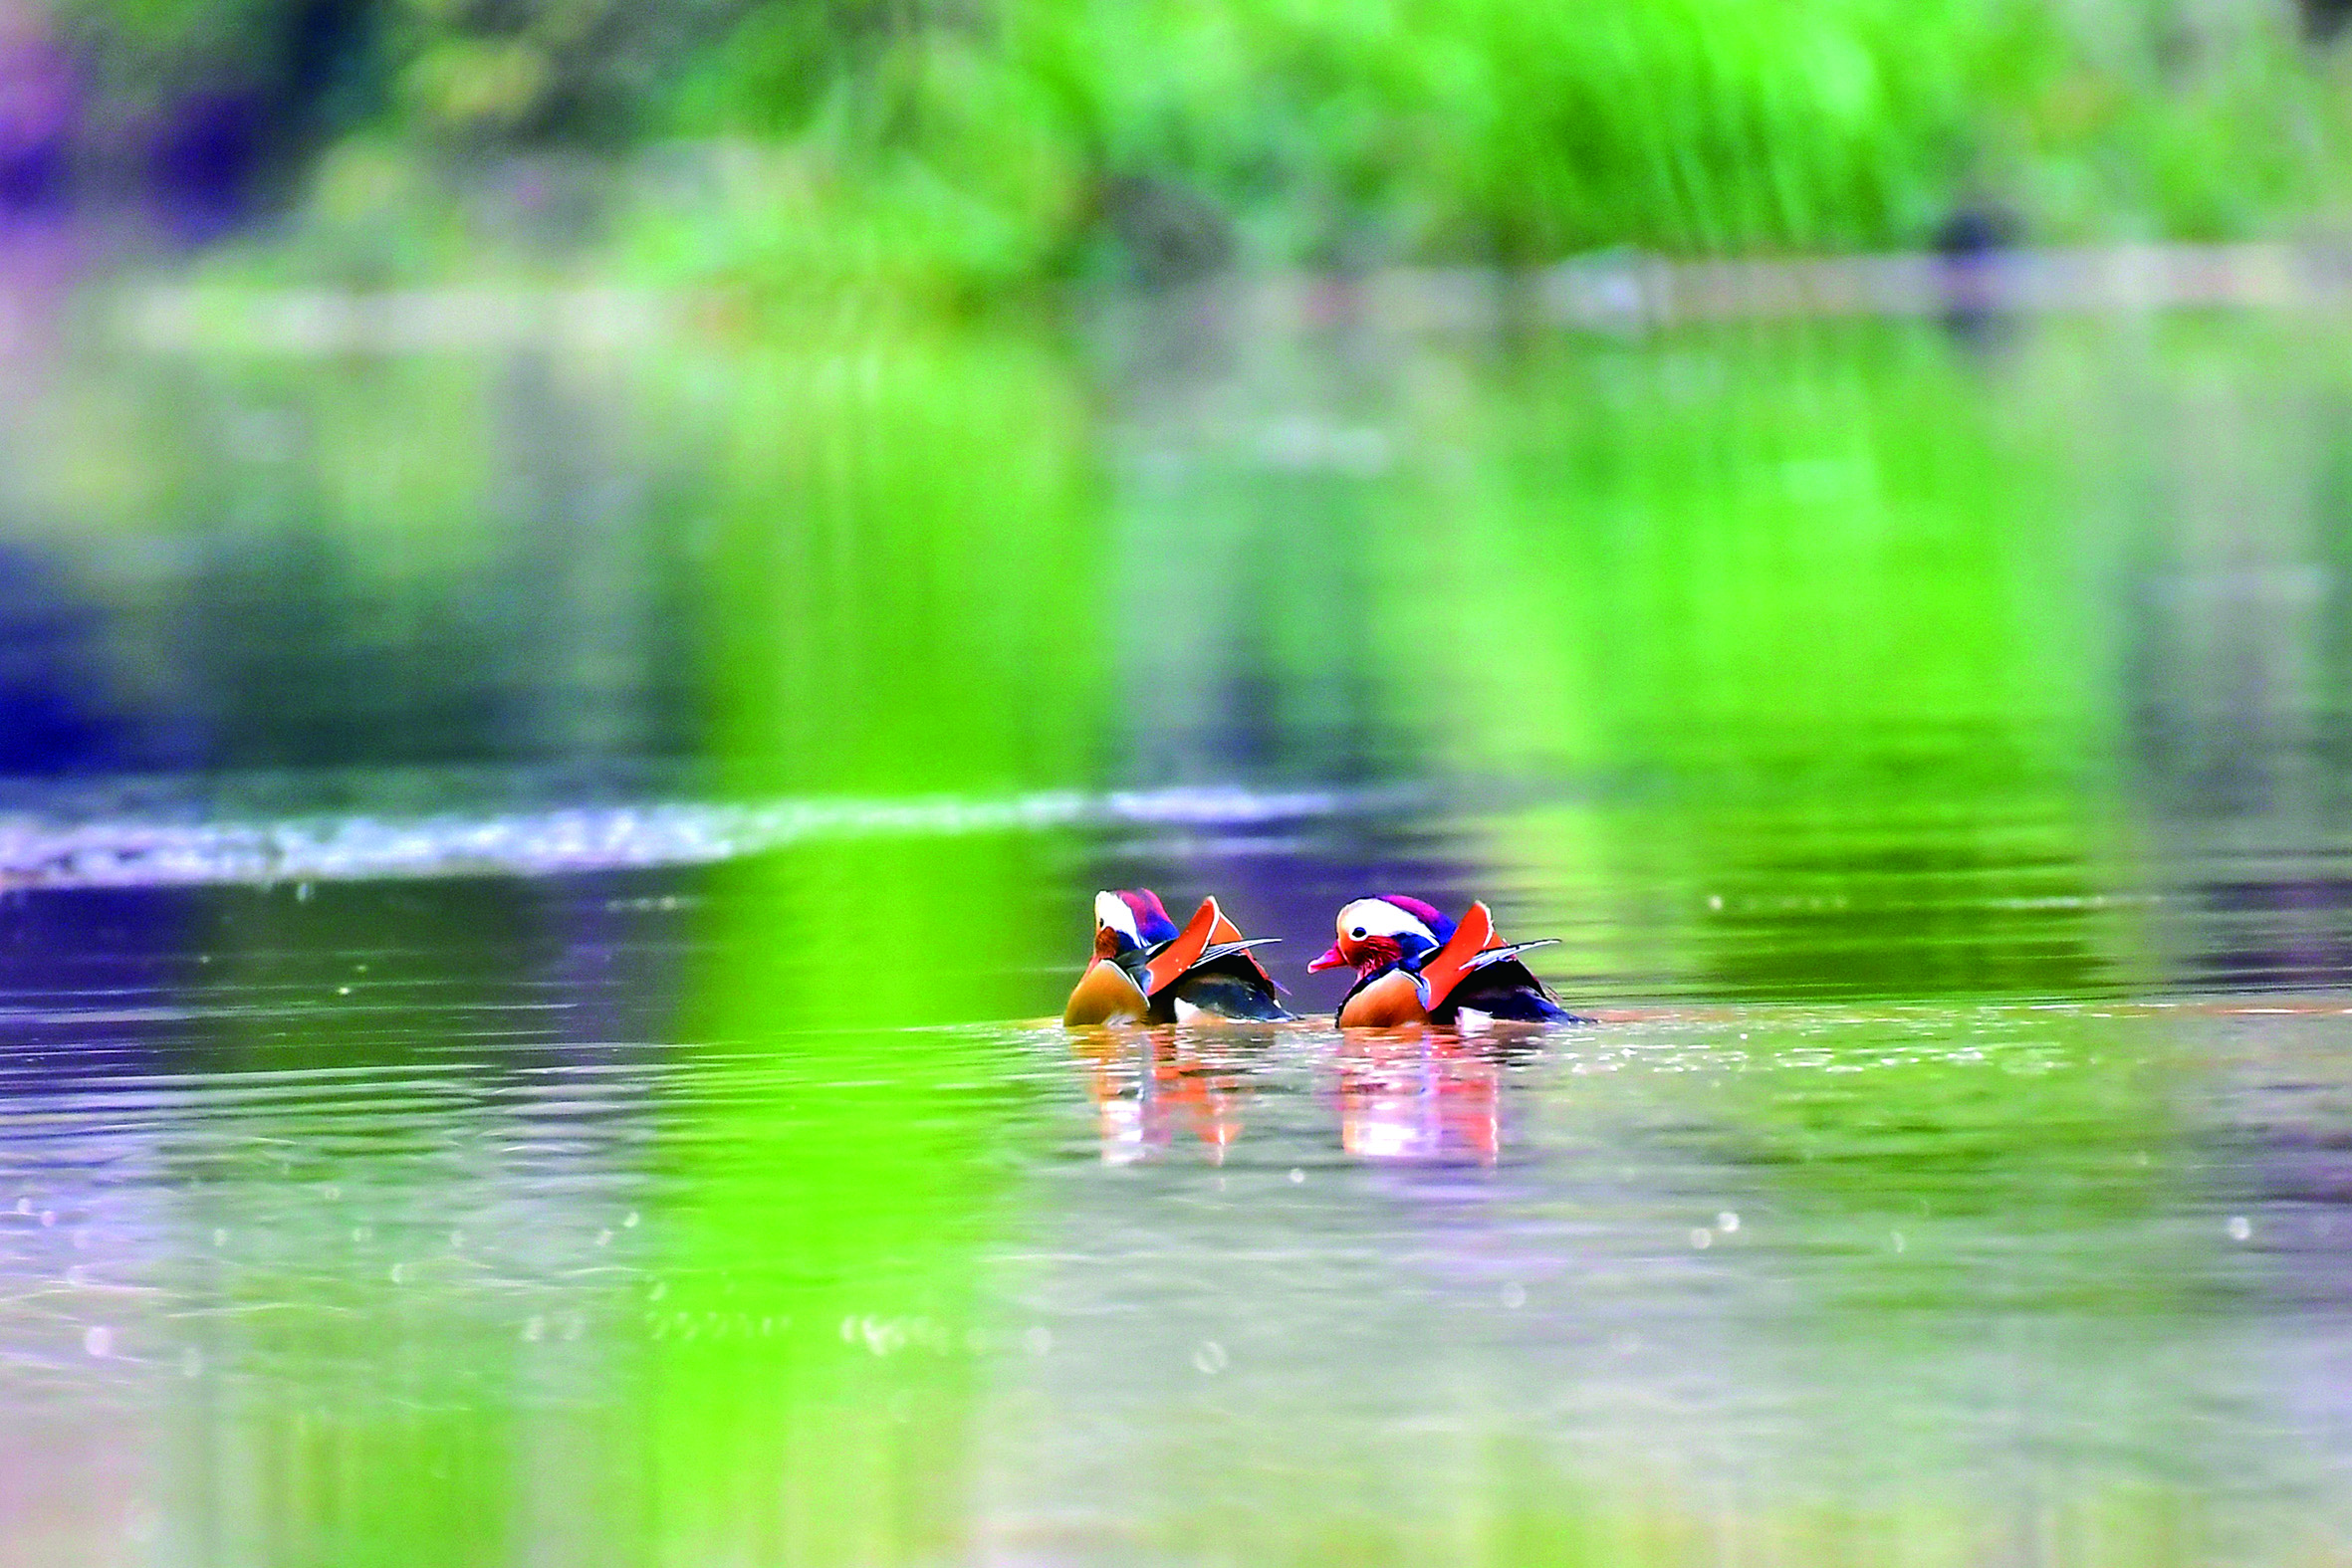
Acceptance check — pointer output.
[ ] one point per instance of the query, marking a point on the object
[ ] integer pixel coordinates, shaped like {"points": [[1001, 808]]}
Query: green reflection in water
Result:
{"points": [[348, 1364], [1814, 602], [1517, 1511], [840, 1185], [911, 535], [1528, 1523], [1761, 551], [912, 542], [1817, 608], [1969, 1159], [1820, 620]]}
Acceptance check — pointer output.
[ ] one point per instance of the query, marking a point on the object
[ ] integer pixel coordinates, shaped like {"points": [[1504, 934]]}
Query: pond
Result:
{"points": [[539, 874]]}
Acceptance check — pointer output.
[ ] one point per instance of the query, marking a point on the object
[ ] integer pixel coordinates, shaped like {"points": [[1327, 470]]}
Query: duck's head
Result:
{"points": [[1129, 921], [1391, 929]]}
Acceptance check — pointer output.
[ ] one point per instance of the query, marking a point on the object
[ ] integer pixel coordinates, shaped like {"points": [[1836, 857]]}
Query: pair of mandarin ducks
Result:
{"points": [[1412, 966]]}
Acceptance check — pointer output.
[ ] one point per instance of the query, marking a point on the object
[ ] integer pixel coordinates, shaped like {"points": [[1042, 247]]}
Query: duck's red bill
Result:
{"points": [[1331, 958]]}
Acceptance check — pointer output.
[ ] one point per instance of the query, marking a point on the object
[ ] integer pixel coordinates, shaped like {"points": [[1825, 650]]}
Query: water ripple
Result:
{"points": [[38, 852]]}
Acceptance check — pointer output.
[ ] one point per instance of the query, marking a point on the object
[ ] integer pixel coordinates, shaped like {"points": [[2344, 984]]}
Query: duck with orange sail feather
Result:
{"points": [[1147, 971], [1415, 966]]}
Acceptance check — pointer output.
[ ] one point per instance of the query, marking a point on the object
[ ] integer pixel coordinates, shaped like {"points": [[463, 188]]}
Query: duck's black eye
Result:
{"points": [[1357, 933]]}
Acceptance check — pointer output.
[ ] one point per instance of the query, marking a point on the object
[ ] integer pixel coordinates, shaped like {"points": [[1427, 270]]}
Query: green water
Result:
{"points": [[1925, 744]]}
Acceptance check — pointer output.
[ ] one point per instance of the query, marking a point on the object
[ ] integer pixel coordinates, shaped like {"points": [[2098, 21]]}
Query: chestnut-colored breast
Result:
{"points": [[1107, 994], [1388, 1003]]}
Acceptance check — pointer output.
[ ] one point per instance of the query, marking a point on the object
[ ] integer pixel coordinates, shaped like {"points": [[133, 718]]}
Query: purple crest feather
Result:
{"points": [[1423, 911], [1151, 921]]}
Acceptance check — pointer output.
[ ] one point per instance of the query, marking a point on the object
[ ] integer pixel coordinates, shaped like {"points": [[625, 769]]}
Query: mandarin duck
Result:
{"points": [[1413, 965], [1145, 971]]}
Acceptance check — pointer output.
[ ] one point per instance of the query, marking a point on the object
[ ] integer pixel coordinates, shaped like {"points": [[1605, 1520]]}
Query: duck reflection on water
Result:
{"points": [[1152, 1086], [1422, 1094]]}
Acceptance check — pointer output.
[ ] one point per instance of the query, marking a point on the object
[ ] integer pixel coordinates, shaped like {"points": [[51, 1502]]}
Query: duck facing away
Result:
{"points": [[1147, 971], [1413, 965]]}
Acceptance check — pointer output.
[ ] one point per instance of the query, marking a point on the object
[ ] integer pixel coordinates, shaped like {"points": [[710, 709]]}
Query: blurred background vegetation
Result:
{"points": [[966, 150]]}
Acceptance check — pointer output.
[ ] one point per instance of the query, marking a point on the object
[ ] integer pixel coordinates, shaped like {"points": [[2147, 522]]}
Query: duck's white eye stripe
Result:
{"points": [[1113, 911], [1381, 918]]}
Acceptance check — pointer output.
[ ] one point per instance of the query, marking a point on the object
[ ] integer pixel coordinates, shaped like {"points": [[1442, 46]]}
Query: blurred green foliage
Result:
{"points": [[1491, 131], [968, 149]]}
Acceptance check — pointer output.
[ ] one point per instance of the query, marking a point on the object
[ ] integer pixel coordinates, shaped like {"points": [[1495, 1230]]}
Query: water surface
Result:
{"points": [[529, 913]]}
